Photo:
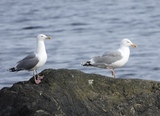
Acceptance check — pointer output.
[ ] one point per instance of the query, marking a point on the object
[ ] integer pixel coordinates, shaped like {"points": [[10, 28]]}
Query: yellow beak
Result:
{"points": [[134, 45], [48, 37]]}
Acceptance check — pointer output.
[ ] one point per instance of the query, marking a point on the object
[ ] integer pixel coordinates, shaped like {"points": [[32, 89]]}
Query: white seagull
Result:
{"points": [[112, 59], [34, 60]]}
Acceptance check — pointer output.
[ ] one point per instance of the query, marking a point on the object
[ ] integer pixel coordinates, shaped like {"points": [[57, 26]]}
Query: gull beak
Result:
{"points": [[134, 45], [48, 37]]}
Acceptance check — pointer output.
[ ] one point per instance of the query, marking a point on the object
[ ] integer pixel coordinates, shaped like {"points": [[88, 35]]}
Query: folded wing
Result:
{"points": [[28, 62]]}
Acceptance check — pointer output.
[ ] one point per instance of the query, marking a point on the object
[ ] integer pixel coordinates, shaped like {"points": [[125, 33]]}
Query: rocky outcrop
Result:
{"points": [[66, 92]]}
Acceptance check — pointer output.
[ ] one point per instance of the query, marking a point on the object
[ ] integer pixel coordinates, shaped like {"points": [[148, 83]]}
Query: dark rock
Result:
{"points": [[67, 92]]}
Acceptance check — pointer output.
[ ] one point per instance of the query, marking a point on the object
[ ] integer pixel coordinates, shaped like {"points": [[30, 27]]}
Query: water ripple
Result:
{"points": [[80, 30]]}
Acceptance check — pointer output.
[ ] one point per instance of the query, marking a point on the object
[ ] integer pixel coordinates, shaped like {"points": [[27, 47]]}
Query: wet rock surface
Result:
{"points": [[65, 92]]}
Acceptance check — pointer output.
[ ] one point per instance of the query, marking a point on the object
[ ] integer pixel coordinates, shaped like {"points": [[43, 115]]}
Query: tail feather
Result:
{"points": [[88, 63]]}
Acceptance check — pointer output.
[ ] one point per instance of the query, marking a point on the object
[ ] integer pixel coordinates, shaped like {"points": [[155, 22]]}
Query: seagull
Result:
{"points": [[34, 60], [112, 59]]}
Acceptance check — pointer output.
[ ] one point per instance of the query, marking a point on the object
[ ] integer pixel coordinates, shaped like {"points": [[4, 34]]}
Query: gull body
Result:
{"points": [[34, 60], [112, 59], [41, 51]]}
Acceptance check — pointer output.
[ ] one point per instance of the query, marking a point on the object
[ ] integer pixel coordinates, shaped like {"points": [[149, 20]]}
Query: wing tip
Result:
{"points": [[12, 69], [88, 63]]}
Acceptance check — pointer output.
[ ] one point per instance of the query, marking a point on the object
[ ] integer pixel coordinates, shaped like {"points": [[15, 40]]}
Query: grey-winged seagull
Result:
{"points": [[112, 59], [34, 60]]}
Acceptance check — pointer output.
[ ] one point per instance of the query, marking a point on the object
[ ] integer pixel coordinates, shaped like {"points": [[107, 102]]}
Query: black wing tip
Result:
{"points": [[88, 63], [12, 69]]}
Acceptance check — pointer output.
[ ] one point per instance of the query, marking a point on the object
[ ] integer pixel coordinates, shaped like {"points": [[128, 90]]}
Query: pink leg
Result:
{"points": [[37, 81], [40, 77], [37, 78], [112, 71]]}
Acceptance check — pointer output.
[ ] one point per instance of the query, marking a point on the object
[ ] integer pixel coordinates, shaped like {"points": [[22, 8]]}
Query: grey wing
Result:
{"points": [[28, 62], [108, 57], [29, 56]]}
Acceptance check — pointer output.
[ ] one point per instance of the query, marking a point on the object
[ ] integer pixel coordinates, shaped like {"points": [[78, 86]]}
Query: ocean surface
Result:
{"points": [[80, 29]]}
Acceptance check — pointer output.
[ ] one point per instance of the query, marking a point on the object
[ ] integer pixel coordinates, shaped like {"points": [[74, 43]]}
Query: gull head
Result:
{"points": [[127, 43], [43, 37]]}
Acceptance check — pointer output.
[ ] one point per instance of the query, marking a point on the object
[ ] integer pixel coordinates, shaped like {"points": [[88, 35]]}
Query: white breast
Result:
{"points": [[41, 54], [42, 60], [125, 56]]}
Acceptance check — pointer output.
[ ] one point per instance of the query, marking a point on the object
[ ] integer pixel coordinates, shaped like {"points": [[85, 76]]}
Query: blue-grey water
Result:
{"points": [[80, 29]]}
